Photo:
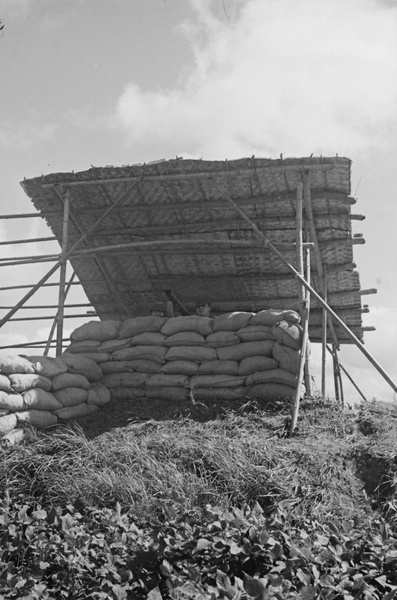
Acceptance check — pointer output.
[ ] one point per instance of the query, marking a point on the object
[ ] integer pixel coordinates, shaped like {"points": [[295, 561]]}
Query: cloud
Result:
{"points": [[278, 76], [25, 135]]}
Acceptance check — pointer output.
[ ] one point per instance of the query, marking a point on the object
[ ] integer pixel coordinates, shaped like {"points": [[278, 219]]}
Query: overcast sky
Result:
{"points": [[99, 82]]}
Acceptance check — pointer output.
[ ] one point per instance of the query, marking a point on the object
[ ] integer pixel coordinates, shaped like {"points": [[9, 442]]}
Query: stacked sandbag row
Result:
{"points": [[41, 391], [228, 357]]}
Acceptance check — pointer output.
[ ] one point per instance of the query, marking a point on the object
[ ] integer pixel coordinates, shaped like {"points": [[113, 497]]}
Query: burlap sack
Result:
{"points": [[192, 353], [40, 399], [82, 347], [5, 384], [4, 412], [272, 376], [65, 380], [21, 382], [98, 394], [289, 334], [96, 357], [71, 396], [112, 380], [255, 333], [137, 325], [148, 338], [221, 339], [167, 380], [240, 351], [202, 325], [291, 316], [287, 358], [221, 367], [13, 363], [112, 345], [231, 321], [7, 424], [180, 367], [269, 317], [251, 364], [117, 366], [12, 402], [96, 330], [155, 353], [37, 418], [185, 338], [216, 381], [48, 366], [83, 366], [76, 412]]}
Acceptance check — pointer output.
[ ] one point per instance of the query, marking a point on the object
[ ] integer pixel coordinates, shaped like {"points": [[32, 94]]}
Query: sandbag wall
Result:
{"points": [[230, 356], [41, 391]]}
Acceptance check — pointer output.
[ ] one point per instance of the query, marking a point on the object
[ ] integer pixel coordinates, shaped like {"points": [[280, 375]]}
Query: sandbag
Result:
{"points": [[180, 367], [202, 325], [112, 380], [48, 366], [5, 384], [25, 381], [65, 380], [123, 393], [216, 381], [96, 330], [40, 399], [12, 402], [75, 412], [173, 394], [83, 346], [97, 357], [112, 345], [71, 396], [269, 317], [255, 333], [16, 436], [229, 393], [272, 376], [251, 364], [83, 366], [231, 321], [167, 380], [37, 418], [116, 366], [156, 353], [4, 411], [148, 338], [137, 325], [7, 424], [289, 334], [185, 338], [98, 394], [193, 353], [222, 367], [219, 339], [143, 365], [240, 351], [287, 358], [13, 363], [271, 390], [291, 316]]}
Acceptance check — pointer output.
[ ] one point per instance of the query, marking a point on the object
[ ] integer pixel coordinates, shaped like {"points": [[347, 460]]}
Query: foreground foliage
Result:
{"points": [[231, 509]]}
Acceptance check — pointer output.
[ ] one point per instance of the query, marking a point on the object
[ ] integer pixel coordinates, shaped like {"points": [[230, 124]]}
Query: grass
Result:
{"points": [[339, 465]]}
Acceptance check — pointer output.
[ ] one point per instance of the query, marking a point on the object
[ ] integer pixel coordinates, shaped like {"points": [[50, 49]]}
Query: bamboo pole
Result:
{"points": [[67, 255], [305, 338], [46, 317], [349, 377], [54, 323], [315, 295], [29, 241], [324, 339], [45, 306], [299, 239], [335, 372], [306, 366], [62, 273]]}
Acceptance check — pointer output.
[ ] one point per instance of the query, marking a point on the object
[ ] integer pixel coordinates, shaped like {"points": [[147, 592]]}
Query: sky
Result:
{"points": [[114, 82]]}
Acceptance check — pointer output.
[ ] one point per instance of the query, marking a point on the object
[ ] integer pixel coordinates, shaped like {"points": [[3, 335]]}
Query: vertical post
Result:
{"points": [[62, 276], [305, 338], [324, 338], [299, 241], [54, 324], [336, 369], [308, 379]]}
